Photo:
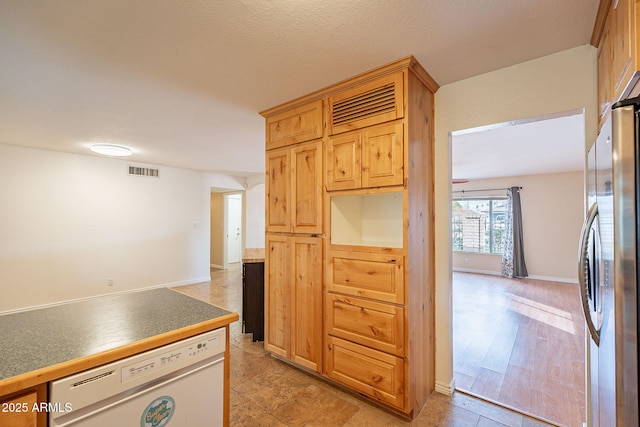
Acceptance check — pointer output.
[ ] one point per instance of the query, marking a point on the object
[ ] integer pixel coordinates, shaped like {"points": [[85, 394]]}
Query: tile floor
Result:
{"points": [[268, 392]]}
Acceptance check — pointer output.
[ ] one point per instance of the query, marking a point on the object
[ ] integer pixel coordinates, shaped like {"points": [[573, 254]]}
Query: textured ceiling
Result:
{"points": [[181, 82], [529, 147]]}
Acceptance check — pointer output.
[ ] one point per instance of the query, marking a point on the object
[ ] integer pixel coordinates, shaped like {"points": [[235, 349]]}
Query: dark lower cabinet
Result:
{"points": [[253, 299]]}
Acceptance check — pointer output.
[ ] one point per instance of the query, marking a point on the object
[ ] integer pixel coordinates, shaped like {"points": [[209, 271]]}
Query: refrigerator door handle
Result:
{"points": [[583, 270]]}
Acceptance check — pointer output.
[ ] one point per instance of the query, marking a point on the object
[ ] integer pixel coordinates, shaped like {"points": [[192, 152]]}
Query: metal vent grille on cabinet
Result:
{"points": [[138, 171], [364, 105]]}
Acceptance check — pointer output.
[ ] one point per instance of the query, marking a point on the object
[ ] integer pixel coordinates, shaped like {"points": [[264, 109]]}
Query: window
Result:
{"points": [[478, 225]]}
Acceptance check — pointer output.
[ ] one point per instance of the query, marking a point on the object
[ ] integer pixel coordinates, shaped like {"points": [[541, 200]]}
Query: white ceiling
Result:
{"points": [[182, 82], [529, 147]]}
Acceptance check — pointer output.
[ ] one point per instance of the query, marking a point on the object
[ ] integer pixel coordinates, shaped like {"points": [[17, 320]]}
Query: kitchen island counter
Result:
{"points": [[41, 345]]}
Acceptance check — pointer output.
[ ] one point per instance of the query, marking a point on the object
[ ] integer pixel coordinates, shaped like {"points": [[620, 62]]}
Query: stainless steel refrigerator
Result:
{"points": [[608, 269]]}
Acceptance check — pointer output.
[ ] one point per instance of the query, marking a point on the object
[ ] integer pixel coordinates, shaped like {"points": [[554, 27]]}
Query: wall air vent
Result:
{"points": [[138, 171], [381, 100]]}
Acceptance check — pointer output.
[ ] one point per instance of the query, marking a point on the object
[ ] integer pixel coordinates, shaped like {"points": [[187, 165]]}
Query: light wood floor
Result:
{"points": [[520, 342], [267, 392]]}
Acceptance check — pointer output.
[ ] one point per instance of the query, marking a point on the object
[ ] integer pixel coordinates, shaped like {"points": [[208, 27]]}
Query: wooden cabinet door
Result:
{"points": [[299, 124], [17, 408], [306, 187], [278, 190], [277, 294], [306, 336], [373, 157], [293, 299], [343, 162], [382, 155], [621, 30], [604, 75]]}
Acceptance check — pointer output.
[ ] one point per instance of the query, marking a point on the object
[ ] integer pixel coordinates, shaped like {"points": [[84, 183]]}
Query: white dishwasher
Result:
{"points": [[180, 384]]}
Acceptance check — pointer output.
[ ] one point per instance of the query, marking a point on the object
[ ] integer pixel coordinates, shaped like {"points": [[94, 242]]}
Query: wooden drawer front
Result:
{"points": [[376, 325], [299, 124], [377, 101], [368, 371], [372, 276], [382, 156]]}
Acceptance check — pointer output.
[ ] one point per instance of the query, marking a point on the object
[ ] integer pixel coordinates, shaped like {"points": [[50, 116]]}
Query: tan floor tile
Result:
{"points": [[243, 413], [273, 388], [369, 415], [315, 407], [268, 392], [247, 365]]}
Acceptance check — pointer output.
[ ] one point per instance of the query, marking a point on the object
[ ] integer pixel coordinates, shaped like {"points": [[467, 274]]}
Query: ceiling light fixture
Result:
{"points": [[111, 150]]}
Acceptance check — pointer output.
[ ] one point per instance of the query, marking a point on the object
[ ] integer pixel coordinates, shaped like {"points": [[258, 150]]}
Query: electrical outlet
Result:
{"points": [[109, 282]]}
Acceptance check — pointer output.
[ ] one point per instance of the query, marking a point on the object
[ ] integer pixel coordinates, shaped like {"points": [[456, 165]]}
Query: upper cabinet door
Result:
{"points": [[604, 75], [294, 189], [343, 161], [383, 156], [306, 187], [296, 125], [377, 101], [278, 191], [622, 45], [371, 157]]}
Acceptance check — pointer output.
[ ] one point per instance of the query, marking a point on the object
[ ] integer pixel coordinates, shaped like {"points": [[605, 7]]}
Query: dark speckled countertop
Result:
{"points": [[98, 329]]}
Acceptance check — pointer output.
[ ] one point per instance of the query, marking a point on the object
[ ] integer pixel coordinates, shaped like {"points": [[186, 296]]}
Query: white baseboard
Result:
{"points": [[534, 277], [218, 266], [477, 271], [444, 388]]}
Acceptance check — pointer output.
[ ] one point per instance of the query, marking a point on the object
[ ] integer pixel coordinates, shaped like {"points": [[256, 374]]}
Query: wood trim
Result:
{"points": [[601, 18], [419, 305], [423, 75], [227, 382], [50, 373], [399, 65]]}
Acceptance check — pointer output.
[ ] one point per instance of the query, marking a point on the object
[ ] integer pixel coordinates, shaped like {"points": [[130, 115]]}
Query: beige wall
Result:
{"points": [[217, 230], [560, 82], [72, 223], [552, 212]]}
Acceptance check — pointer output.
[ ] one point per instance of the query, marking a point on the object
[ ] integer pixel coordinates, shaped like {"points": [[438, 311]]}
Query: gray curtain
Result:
{"points": [[513, 264]]}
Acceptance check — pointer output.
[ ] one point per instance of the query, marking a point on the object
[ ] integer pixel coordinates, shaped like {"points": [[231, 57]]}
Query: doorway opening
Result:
{"points": [[520, 342], [227, 233]]}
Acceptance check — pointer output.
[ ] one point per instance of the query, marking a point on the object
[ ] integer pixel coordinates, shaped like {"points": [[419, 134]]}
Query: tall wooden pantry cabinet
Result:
{"points": [[349, 280]]}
